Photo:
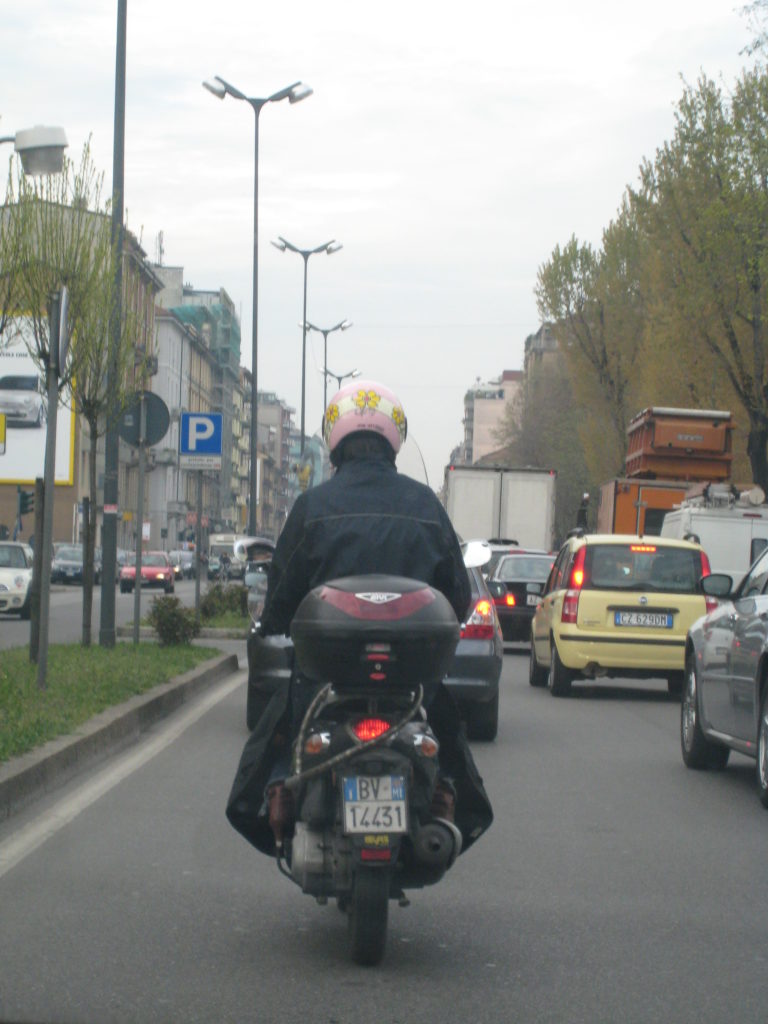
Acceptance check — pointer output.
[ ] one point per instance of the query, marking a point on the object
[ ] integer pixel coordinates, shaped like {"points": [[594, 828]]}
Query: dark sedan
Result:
{"points": [[516, 587], [67, 564], [473, 678], [725, 699]]}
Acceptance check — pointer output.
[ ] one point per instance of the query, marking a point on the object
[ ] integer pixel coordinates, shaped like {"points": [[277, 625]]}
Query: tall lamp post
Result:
{"points": [[293, 93], [343, 325], [339, 377], [41, 149], [328, 248]]}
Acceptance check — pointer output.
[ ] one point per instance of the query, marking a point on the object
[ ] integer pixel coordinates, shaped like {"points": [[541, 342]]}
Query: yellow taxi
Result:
{"points": [[617, 606]]}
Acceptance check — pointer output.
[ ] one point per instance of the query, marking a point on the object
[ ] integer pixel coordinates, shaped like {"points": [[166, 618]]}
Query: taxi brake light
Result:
{"points": [[510, 601], [577, 572]]}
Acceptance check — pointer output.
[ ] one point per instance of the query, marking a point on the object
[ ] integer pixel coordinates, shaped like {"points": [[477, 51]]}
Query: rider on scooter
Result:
{"points": [[366, 519]]}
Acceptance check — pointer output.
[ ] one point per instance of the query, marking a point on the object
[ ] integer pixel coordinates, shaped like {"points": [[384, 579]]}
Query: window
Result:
{"points": [[756, 578]]}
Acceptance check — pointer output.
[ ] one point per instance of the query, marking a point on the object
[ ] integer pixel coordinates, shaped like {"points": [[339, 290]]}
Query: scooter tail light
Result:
{"points": [[370, 728], [428, 747], [711, 604], [317, 742]]}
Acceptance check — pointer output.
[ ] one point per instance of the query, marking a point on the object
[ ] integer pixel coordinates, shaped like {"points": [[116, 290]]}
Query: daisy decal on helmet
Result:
{"points": [[367, 400]]}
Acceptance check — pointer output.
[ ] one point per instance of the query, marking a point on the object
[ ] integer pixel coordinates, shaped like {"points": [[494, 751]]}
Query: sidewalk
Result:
{"points": [[26, 778]]}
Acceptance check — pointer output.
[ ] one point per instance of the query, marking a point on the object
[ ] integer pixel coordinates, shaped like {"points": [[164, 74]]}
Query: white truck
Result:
{"points": [[731, 527], [485, 502]]}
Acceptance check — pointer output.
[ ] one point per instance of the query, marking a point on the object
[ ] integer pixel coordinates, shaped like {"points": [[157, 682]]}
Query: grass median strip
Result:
{"points": [[82, 681]]}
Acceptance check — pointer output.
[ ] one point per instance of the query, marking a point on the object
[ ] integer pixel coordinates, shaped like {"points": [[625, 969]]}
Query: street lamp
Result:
{"points": [[328, 248], [344, 325], [339, 377], [41, 149], [293, 93]]}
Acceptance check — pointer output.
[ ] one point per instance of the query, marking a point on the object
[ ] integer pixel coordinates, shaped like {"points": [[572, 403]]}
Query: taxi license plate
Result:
{"points": [[651, 620], [374, 803], [532, 598]]}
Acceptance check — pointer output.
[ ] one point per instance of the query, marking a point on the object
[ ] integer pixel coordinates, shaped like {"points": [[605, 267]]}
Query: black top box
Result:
{"points": [[374, 631]]}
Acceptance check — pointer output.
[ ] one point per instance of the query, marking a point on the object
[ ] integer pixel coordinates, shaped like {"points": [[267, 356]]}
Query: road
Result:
{"points": [[66, 613], [614, 886]]}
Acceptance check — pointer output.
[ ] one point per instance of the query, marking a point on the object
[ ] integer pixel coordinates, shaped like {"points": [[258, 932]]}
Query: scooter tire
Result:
{"points": [[368, 908]]}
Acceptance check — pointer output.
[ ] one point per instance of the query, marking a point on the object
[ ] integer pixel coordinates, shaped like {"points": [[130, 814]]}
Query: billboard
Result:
{"points": [[23, 402]]}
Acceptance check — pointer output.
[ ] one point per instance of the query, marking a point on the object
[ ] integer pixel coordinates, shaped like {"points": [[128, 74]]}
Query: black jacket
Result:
{"points": [[365, 519]]}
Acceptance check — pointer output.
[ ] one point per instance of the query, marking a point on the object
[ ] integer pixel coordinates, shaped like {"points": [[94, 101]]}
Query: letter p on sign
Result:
{"points": [[200, 429]]}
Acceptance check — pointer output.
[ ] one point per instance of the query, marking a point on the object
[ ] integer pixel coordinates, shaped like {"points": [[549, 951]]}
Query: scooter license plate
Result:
{"points": [[374, 803]]}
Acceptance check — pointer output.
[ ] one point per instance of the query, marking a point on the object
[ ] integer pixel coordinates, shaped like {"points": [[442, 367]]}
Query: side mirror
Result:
{"points": [[476, 553], [718, 584]]}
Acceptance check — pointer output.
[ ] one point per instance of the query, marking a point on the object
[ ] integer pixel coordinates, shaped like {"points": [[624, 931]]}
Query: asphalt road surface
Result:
{"points": [[614, 886]]}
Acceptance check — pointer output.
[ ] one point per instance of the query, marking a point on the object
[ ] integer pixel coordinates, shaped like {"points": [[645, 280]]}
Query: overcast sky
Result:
{"points": [[448, 147]]}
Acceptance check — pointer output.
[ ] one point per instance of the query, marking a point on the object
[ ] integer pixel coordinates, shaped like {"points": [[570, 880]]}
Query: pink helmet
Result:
{"points": [[364, 405]]}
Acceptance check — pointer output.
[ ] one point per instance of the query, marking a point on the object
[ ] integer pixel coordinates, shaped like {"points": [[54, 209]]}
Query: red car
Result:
{"points": [[156, 571]]}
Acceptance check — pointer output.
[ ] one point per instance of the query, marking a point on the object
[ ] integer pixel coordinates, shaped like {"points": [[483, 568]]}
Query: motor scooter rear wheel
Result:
{"points": [[368, 906]]}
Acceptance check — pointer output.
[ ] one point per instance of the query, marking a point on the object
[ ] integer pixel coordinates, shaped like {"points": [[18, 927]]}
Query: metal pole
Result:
{"points": [[111, 439], [253, 480], [140, 519], [306, 256], [325, 370], [34, 624], [52, 382], [198, 543]]}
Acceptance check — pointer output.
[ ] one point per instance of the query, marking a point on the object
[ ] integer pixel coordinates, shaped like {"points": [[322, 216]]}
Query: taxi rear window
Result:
{"points": [[643, 566]]}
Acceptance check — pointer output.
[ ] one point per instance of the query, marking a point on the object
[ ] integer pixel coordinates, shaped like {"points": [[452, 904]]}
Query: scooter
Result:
{"points": [[365, 761], [365, 811]]}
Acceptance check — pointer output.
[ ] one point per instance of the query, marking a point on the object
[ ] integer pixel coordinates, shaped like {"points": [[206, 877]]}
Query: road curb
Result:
{"points": [[26, 778], [206, 633]]}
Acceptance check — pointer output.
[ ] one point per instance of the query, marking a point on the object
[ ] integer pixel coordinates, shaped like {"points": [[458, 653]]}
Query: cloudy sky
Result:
{"points": [[448, 147]]}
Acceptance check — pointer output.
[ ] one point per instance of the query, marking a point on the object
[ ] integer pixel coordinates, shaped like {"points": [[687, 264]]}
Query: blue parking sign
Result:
{"points": [[200, 440]]}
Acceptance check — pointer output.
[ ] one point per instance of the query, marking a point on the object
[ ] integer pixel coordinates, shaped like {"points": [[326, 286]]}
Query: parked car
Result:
{"points": [[15, 577], [156, 571], [725, 699], [67, 565], [617, 606], [214, 567], [516, 587], [473, 677], [22, 399]]}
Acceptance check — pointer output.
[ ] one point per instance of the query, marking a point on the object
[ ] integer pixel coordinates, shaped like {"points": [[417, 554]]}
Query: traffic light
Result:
{"points": [[26, 501]]}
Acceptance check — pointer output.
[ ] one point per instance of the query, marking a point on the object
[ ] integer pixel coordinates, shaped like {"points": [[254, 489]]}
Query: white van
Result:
{"points": [[733, 530]]}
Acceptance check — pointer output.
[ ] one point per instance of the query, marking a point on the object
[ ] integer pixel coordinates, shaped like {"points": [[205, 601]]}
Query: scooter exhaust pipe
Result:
{"points": [[438, 843]]}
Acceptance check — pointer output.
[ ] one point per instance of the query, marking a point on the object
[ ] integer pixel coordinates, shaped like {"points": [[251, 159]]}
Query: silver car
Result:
{"points": [[22, 400], [725, 698]]}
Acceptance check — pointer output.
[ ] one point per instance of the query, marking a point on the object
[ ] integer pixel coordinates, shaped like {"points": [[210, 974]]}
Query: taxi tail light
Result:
{"points": [[370, 728], [578, 576], [710, 603], [570, 612], [481, 623]]}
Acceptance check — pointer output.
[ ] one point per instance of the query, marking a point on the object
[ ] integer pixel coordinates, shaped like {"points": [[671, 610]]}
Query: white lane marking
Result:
{"points": [[38, 831]]}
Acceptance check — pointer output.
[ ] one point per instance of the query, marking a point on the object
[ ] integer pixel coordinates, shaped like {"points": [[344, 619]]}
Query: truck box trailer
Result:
{"points": [[493, 501], [627, 505], [680, 444]]}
